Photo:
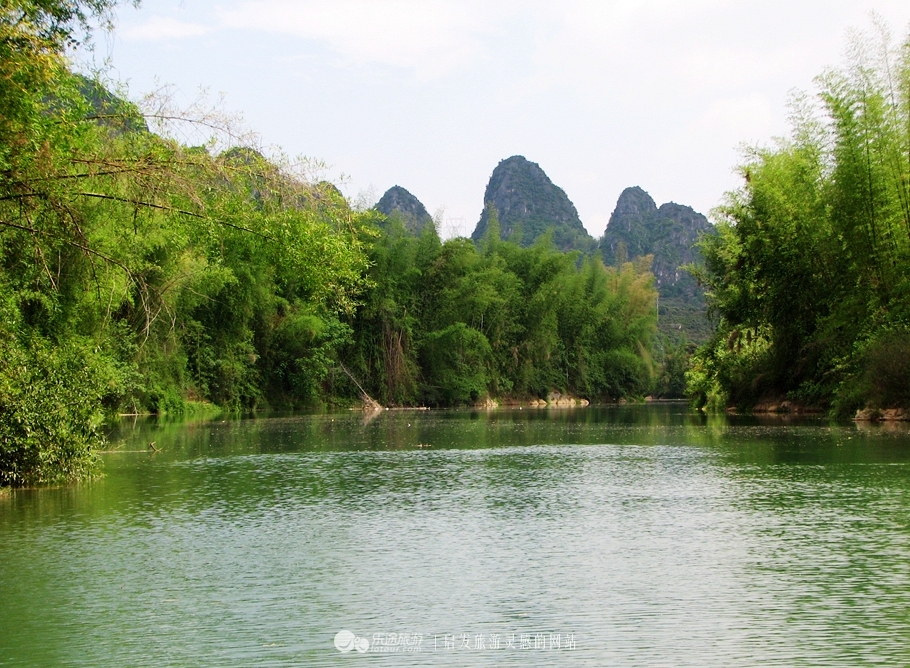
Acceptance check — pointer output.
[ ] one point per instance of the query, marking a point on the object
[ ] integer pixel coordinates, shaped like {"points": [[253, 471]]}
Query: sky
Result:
{"points": [[431, 94]]}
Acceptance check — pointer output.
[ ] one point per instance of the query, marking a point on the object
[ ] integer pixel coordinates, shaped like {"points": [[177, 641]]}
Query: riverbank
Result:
{"points": [[882, 415], [784, 407]]}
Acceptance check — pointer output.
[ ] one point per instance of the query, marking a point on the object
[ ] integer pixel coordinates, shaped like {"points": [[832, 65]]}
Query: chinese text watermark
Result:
{"points": [[387, 643]]}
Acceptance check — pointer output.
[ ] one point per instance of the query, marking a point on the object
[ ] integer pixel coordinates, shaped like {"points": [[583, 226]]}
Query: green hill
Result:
{"points": [[399, 203], [528, 203], [639, 227]]}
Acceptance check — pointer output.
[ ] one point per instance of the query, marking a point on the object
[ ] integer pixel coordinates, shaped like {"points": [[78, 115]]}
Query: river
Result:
{"points": [[646, 535]]}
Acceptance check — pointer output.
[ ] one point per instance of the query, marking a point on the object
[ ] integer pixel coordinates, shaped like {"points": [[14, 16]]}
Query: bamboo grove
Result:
{"points": [[810, 271], [142, 274]]}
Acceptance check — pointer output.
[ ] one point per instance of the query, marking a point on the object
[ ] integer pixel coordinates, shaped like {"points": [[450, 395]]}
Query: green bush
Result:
{"points": [[51, 401], [886, 371], [456, 360]]}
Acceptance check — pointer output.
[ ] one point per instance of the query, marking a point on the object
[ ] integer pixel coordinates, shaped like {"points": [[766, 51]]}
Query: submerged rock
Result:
{"points": [[882, 415]]}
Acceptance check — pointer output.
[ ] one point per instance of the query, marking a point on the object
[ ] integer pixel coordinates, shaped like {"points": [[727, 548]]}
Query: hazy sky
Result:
{"points": [[431, 95]]}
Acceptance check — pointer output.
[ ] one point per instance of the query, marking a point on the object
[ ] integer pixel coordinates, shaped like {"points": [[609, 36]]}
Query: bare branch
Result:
{"points": [[172, 209], [70, 242]]}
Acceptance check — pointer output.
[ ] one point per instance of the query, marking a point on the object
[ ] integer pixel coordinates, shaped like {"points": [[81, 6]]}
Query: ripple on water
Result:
{"points": [[698, 546]]}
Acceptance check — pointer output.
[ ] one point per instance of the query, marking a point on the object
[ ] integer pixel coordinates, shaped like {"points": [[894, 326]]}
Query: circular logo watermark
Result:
{"points": [[345, 641]]}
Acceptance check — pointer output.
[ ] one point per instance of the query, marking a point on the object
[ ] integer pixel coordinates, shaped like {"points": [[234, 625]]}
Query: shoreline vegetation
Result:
{"points": [[142, 273], [809, 272]]}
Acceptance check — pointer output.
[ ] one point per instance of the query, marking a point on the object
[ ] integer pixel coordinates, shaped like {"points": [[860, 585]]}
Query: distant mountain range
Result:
{"points": [[528, 204]]}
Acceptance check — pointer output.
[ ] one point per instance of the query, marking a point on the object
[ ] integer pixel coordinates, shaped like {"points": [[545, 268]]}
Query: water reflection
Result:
{"points": [[653, 535]]}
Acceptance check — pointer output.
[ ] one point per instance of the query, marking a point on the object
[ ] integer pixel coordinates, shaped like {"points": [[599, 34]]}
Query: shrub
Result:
{"points": [[51, 402], [886, 371]]}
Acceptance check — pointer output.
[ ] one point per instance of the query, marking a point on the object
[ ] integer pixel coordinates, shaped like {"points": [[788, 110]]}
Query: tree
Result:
{"points": [[160, 272], [809, 270]]}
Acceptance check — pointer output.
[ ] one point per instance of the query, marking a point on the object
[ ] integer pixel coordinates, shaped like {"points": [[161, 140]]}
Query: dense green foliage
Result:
{"points": [[450, 323], [810, 271], [138, 274]]}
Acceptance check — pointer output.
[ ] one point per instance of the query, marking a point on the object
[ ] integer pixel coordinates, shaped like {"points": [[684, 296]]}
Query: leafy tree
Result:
{"points": [[809, 270], [141, 274], [172, 273]]}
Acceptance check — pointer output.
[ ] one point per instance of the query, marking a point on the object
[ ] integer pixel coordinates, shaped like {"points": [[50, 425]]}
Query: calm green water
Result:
{"points": [[627, 536]]}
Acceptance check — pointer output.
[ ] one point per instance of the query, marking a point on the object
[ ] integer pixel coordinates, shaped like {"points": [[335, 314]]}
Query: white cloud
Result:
{"points": [[430, 37], [656, 93], [162, 28]]}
